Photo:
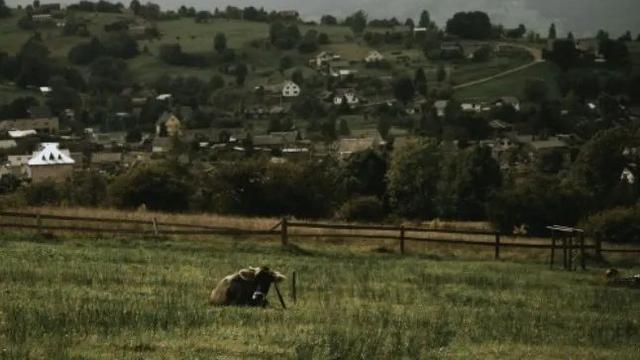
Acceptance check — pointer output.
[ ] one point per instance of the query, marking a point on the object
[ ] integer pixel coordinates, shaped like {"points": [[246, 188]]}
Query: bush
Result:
{"points": [[43, 193], [538, 202], [365, 208], [157, 187], [620, 225]]}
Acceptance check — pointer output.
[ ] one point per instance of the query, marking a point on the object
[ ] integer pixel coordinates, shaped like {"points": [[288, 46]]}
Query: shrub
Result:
{"points": [[619, 225], [364, 208], [157, 187], [42, 193], [538, 202]]}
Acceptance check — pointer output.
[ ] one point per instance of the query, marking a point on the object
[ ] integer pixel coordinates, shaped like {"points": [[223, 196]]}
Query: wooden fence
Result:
{"points": [[288, 229]]}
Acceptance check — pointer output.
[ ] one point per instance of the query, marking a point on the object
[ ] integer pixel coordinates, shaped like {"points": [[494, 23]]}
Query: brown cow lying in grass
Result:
{"points": [[247, 287]]}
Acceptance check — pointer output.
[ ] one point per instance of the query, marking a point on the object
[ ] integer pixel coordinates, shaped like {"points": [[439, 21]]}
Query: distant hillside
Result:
{"points": [[580, 16]]}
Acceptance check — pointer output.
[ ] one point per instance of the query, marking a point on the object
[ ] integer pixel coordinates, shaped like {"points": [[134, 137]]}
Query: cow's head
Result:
{"points": [[262, 278]]}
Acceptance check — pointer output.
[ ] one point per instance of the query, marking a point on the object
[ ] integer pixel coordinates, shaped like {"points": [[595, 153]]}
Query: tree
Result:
{"points": [[220, 43], [85, 53], [404, 90], [425, 19], [564, 54], [241, 73], [410, 24], [538, 201], [413, 177], [469, 180], [328, 20], [602, 35], [158, 187], [216, 82], [420, 81], [384, 126], [343, 127], [286, 62], [203, 17], [46, 192], [357, 22], [309, 42], [570, 36], [615, 52], [328, 128], [4, 10], [284, 37], [86, 188], [552, 32], [275, 124], [364, 173], [33, 62], [536, 90], [483, 54], [517, 33], [323, 39], [297, 77], [442, 73], [470, 25], [626, 36], [135, 6], [601, 161], [108, 74]]}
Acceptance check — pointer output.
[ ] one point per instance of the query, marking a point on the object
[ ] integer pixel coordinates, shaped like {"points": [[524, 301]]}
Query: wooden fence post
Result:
{"points": [[294, 295], [154, 222], [598, 248], [284, 236], [564, 252], [571, 253], [497, 247], [402, 239], [583, 261], [39, 223], [553, 249]]}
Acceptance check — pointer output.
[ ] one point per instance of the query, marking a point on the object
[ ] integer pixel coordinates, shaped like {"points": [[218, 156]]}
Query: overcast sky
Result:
{"points": [[580, 16]]}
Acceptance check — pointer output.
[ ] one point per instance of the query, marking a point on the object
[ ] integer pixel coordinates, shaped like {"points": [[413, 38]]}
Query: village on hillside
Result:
{"points": [[253, 183], [105, 88]]}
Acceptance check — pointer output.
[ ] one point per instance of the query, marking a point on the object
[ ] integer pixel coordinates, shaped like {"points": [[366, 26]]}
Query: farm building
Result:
{"points": [[374, 56], [7, 144], [168, 125], [40, 120], [50, 162], [441, 106], [290, 89], [346, 94], [508, 100], [323, 58]]}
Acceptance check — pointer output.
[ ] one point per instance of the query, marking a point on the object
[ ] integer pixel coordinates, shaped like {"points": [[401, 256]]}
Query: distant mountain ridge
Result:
{"points": [[583, 17]]}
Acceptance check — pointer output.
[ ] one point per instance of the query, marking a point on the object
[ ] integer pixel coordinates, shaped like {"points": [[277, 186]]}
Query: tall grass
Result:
{"points": [[129, 299]]}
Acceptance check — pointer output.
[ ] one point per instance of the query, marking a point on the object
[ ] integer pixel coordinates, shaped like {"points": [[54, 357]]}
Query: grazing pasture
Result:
{"points": [[132, 298], [513, 84]]}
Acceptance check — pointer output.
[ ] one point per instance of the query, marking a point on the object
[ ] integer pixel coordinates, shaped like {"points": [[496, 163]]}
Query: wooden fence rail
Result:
{"points": [[284, 228], [402, 238]]}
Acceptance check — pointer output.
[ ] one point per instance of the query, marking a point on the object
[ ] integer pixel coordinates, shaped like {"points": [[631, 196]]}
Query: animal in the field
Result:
{"points": [[247, 287]]}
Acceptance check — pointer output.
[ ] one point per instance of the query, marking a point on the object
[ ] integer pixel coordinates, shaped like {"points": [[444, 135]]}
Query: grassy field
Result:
{"points": [[513, 84], [129, 298]]}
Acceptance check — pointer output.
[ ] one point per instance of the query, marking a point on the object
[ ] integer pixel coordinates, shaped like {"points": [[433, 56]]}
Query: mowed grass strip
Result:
{"points": [[129, 298]]}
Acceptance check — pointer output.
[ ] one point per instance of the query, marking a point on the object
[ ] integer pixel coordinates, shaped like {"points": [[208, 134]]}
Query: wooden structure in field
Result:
{"points": [[571, 241]]}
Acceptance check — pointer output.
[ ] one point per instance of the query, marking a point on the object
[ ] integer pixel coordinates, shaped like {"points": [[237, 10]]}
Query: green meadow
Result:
{"points": [[134, 298], [514, 84]]}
